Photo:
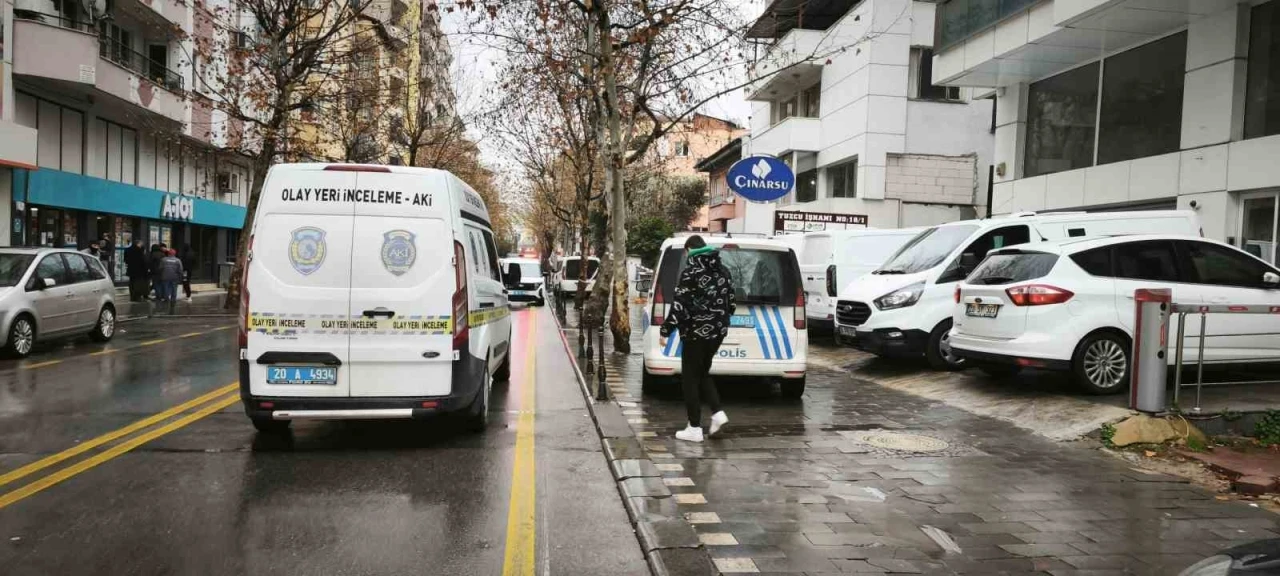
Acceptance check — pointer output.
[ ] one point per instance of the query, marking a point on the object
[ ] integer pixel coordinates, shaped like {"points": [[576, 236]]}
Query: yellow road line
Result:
{"points": [[115, 451], [109, 436], [521, 554], [152, 342], [40, 364], [107, 351], [190, 334]]}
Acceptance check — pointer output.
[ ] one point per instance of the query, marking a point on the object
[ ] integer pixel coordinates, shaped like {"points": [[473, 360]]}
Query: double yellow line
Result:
{"points": [[209, 403]]}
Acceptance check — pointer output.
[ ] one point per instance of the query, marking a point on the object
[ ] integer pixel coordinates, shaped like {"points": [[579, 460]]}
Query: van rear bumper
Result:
{"points": [[466, 384]]}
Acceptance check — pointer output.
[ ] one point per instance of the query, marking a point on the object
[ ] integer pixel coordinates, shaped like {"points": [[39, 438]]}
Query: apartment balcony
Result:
{"points": [[793, 63], [166, 17], [795, 134], [82, 63]]}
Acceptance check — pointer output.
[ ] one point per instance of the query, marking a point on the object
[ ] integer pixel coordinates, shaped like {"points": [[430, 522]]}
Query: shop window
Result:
{"points": [[1141, 110], [1262, 93], [1061, 112], [807, 186], [920, 81], [843, 180]]}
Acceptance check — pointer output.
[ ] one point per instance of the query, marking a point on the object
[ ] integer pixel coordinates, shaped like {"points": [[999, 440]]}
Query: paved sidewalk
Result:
{"points": [[860, 478]]}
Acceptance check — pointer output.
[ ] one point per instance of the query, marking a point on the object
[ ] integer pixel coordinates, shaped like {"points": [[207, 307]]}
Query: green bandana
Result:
{"points": [[702, 250]]}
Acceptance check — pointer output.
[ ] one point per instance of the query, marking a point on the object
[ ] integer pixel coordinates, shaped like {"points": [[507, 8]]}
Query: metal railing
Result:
{"points": [[1203, 312], [138, 62], [55, 20]]}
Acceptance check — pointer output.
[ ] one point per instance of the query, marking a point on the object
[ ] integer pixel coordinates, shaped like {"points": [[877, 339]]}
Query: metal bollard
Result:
{"points": [[591, 356], [1200, 365], [1150, 366], [582, 345], [602, 390]]}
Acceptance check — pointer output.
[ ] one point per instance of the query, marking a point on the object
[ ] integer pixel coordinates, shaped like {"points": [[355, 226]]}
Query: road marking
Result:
{"points": [[108, 351], [140, 345], [152, 342], [190, 334], [40, 364], [83, 465], [521, 554], [109, 436]]}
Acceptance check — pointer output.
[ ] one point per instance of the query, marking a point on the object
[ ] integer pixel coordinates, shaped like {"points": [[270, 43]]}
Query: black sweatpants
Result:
{"points": [[695, 363]]}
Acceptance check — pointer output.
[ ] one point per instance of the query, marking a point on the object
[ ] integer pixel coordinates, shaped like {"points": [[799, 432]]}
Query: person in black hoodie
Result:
{"points": [[157, 254], [188, 262], [704, 302], [139, 270]]}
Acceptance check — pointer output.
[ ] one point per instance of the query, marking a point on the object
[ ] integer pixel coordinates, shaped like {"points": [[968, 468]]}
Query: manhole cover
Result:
{"points": [[899, 441]]}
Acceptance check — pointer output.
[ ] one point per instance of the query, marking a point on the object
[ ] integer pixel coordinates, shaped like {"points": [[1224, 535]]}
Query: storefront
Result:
{"points": [[66, 210]]}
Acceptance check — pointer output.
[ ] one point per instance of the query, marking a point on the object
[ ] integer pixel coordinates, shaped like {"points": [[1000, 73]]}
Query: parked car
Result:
{"points": [[905, 307], [1261, 558], [523, 280], [49, 293], [1069, 305], [831, 260], [767, 332], [569, 272]]}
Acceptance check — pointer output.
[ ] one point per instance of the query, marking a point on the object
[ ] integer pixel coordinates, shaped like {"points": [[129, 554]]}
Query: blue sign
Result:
{"points": [[761, 178]]}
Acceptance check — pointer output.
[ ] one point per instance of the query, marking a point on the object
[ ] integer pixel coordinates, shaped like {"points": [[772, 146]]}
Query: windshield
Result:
{"points": [[869, 250], [572, 269], [530, 269], [927, 250], [759, 276], [12, 267]]}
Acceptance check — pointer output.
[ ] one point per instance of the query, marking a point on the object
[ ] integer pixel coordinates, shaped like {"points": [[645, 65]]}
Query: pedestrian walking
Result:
{"points": [[188, 263], [704, 301], [153, 264], [108, 255], [170, 273], [139, 271]]}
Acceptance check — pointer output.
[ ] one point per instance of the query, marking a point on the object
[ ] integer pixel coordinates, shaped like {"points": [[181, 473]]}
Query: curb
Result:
{"points": [[667, 540]]}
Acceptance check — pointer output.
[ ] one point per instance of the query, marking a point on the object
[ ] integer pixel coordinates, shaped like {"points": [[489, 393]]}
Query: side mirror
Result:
{"points": [[1270, 280], [968, 261], [45, 283]]}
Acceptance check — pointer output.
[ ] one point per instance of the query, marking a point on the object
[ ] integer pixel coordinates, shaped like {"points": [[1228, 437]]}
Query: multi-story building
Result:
{"points": [[723, 205], [1107, 104], [679, 151], [843, 94], [120, 145]]}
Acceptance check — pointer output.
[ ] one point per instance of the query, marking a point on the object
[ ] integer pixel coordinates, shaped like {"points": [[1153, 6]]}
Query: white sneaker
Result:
{"points": [[718, 420], [690, 434]]}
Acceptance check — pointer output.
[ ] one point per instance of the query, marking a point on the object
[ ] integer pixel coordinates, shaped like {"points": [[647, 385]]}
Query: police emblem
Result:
{"points": [[398, 251], [307, 250]]}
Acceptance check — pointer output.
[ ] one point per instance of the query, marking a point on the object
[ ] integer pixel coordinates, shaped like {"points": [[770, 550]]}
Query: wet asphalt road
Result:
{"points": [[212, 497]]}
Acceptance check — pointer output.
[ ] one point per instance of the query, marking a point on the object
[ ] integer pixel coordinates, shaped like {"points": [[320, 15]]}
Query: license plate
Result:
{"points": [[739, 321], [519, 292], [982, 310], [302, 375], [847, 331]]}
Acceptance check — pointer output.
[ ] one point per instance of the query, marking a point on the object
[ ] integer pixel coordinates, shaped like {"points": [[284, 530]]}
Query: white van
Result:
{"points": [[370, 292], [767, 332], [829, 261], [524, 280], [905, 307], [569, 273]]}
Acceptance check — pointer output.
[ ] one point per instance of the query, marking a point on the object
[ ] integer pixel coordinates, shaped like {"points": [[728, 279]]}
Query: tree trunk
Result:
{"points": [[260, 166], [614, 165]]}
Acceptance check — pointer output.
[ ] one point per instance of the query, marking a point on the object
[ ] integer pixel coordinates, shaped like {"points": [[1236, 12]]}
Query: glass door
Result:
{"points": [[1260, 219]]}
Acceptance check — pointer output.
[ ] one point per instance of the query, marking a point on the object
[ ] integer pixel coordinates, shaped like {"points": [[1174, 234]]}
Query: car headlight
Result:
{"points": [[901, 298], [1212, 566]]}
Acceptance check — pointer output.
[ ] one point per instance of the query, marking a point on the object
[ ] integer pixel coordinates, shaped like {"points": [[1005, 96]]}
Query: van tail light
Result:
{"points": [[659, 313], [461, 303], [244, 297], [957, 293], [799, 314], [1038, 295], [831, 280]]}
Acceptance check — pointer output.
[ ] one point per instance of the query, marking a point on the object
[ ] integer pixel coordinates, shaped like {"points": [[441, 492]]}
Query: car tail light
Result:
{"points": [[957, 293], [355, 168], [461, 303], [244, 297], [831, 280], [659, 313], [798, 315], [1038, 295]]}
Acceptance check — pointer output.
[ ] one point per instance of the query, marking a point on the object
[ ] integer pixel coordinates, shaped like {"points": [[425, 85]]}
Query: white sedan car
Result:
{"points": [[1069, 305]]}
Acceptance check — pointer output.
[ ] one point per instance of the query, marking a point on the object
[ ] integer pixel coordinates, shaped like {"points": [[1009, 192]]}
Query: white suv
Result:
{"points": [[1069, 305]]}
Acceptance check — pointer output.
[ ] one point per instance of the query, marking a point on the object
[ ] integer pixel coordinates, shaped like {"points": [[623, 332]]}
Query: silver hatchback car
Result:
{"points": [[48, 293]]}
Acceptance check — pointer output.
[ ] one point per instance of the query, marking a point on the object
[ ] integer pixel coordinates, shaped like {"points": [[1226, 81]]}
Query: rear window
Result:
{"points": [[573, 269], [1010, 267], [759, 276]]}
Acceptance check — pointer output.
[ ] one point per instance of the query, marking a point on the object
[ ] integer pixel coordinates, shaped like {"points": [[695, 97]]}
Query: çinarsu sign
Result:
{"points": [[761, 178]]}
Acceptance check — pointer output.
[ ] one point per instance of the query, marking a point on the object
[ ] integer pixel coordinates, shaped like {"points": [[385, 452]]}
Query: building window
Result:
{"points": [[785, 109], [811, 100], [959, 20], [920, 82], [1260, 219], [842, 179], [1141, 109], [1262, 100], [807, 186], [1061, 112], [682, 148]]}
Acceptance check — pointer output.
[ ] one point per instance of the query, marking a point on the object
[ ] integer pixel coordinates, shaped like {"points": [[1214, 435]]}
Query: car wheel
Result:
{"points": [[793, 388], [22, 337], [938, 352], [652, 384], [478, 413], [106, 326], [1000, 370], [271, 425], [1101, 363]]}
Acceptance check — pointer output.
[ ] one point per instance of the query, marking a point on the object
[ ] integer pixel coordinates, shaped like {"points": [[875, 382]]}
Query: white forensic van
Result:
{"points": [[767, 333], [370, 292], [905, 307]]}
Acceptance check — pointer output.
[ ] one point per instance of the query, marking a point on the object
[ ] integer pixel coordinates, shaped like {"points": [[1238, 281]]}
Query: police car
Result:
{"points": [[767, 334], [371, 292]]}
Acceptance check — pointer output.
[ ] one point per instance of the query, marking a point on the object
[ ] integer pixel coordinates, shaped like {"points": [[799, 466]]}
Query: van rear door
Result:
{"points": [[299, 282], [402, 284]]}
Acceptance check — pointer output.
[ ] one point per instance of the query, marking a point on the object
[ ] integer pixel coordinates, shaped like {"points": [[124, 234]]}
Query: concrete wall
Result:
{"points": [[933, 179]]}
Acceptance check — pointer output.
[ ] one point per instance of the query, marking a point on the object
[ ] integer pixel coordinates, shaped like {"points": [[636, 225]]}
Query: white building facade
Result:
{"points": [[843, 94], [1123, 104]]}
